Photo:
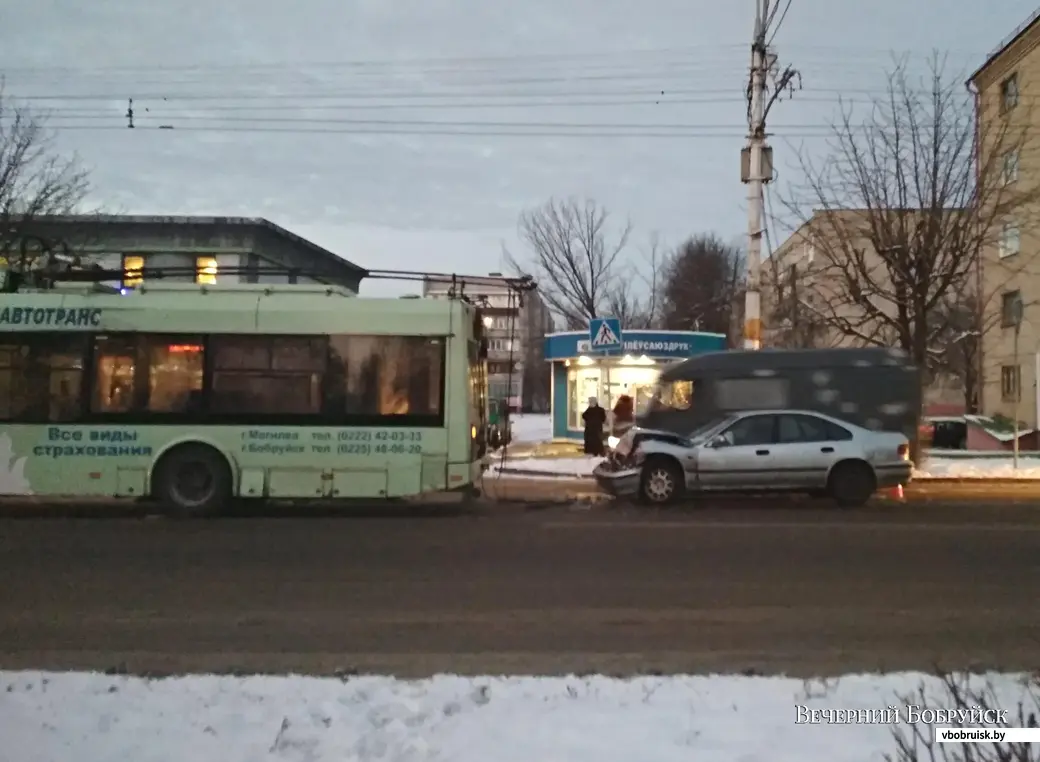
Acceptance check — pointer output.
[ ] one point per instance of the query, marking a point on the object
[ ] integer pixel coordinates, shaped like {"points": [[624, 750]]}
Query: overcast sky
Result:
{"points": [[316, 113]]}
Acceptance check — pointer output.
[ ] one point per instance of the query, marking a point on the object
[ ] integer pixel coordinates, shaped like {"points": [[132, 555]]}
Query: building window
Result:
{"points": [[1010, 240], [206, 270], [1008, 307], [1009, 172], [1009, 93], [133, 264], [1010, 386], [582, 383]]}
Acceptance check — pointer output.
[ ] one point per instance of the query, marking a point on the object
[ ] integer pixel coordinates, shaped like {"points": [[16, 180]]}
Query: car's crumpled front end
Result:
{"points": [[619, 472]]}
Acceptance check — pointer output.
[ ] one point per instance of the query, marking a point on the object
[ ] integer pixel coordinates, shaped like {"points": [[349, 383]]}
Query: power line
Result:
{"points": [[175, 111], [424, 95], [676, 72], [534, 132], [486, 123], [674, 69], [841, 51]]}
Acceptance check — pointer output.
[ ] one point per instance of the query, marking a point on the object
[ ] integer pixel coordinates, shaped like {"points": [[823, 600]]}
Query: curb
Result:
{"points": [[1002, 481]]}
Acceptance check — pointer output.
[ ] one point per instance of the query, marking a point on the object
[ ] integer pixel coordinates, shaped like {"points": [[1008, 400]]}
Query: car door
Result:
{"points": [[806, 448], [743, 460]]}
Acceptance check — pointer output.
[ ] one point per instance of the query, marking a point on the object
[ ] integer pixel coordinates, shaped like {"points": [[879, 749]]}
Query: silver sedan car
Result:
{"points": [[758, 451]]}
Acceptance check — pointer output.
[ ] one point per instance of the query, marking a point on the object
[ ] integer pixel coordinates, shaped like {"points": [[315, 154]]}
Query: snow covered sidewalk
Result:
{"points": [[49, 717]]}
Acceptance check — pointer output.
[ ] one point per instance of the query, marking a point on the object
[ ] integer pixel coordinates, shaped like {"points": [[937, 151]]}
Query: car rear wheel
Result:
{"points": [[852, 484], [662, 481]]}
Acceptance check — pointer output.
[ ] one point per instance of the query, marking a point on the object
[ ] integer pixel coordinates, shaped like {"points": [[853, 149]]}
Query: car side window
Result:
{"points": [[801, 429], [753, 430], [836, 433], [795, 429]]}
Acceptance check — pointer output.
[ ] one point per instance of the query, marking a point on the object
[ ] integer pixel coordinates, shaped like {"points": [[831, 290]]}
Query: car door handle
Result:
{"points": [[826, 449], [761, 452]]}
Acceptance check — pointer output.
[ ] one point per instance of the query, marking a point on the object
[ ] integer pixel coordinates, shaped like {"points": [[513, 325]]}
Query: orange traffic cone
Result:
{"points": [[896, 493]]}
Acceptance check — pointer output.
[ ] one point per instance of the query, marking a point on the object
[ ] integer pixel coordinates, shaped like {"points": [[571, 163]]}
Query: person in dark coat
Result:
{"points": [[595, 417]]}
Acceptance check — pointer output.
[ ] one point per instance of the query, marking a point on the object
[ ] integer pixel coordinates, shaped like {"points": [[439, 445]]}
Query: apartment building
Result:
{"points": [[1007, 97], [517, 326], [206, 249]]}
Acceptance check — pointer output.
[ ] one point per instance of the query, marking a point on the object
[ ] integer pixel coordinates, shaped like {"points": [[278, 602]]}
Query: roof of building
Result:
{"points": [[1006, 43], [249, 222]]}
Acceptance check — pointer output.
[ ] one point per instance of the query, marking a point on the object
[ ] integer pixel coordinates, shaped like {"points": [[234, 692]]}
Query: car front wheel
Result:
{"points": [[662, 481]]}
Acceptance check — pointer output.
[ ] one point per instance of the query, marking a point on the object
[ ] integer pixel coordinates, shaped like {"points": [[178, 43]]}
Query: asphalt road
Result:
{"points": [[809, 591]]}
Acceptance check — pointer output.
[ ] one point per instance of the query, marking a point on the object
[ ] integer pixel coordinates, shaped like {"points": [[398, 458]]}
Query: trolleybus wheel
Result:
{"points": [[192, 481]]}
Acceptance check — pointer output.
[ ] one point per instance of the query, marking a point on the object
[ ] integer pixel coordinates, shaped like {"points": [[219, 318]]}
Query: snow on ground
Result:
{"points": [[978, 468], [550, 468], [79, 717], [530, 428]]}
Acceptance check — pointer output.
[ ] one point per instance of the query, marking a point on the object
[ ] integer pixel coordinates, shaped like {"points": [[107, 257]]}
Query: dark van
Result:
{"points": [[876, 388]]}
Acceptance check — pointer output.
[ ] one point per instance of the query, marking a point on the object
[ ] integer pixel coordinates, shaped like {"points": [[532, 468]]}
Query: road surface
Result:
{"points": [[604, 588]]}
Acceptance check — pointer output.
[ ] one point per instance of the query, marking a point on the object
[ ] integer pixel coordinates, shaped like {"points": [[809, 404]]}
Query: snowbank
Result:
{"points": [[978, 468], [50, 717], [547, 468]]}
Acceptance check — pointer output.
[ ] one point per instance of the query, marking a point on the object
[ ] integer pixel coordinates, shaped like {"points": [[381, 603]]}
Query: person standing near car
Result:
{"points": [[595, 417]]}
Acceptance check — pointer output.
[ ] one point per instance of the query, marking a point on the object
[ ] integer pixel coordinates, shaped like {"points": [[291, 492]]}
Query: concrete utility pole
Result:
{"points": [[756, 159]]}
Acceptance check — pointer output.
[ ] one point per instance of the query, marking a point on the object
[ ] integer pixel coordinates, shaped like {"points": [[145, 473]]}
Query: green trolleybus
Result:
{"points": [[198, 394]]}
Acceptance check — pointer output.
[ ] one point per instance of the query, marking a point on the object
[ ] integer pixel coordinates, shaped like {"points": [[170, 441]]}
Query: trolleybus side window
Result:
{"points": [[156, 373], [115, 374], [175, 370], [387, 375], [41, 377], [265, 375]]}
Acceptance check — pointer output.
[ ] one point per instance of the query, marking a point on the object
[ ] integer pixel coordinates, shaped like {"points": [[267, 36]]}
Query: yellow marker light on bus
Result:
{"points": [[472, 432]]}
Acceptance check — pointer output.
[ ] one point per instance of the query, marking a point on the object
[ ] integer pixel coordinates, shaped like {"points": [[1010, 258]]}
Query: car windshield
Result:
{"points": [[712, 425]]}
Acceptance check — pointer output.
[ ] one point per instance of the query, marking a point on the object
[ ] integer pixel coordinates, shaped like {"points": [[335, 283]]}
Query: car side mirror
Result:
{"points": [[717, 441]]}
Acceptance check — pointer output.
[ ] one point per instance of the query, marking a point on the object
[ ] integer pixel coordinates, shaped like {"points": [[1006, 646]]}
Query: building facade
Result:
{"points": [[1007, 98], [202, 249], [516, 326]]}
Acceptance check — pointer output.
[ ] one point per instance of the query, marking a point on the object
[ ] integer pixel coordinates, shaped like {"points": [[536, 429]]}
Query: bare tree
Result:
{"points": [[967, 698], [959, 346], [35, 180], [903, 208], [624, 300], [792, 321], [573, 257], [702, 285]]}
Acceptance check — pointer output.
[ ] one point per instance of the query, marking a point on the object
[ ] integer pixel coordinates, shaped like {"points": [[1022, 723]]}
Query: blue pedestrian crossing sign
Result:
{"points": [[604, 333]]}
